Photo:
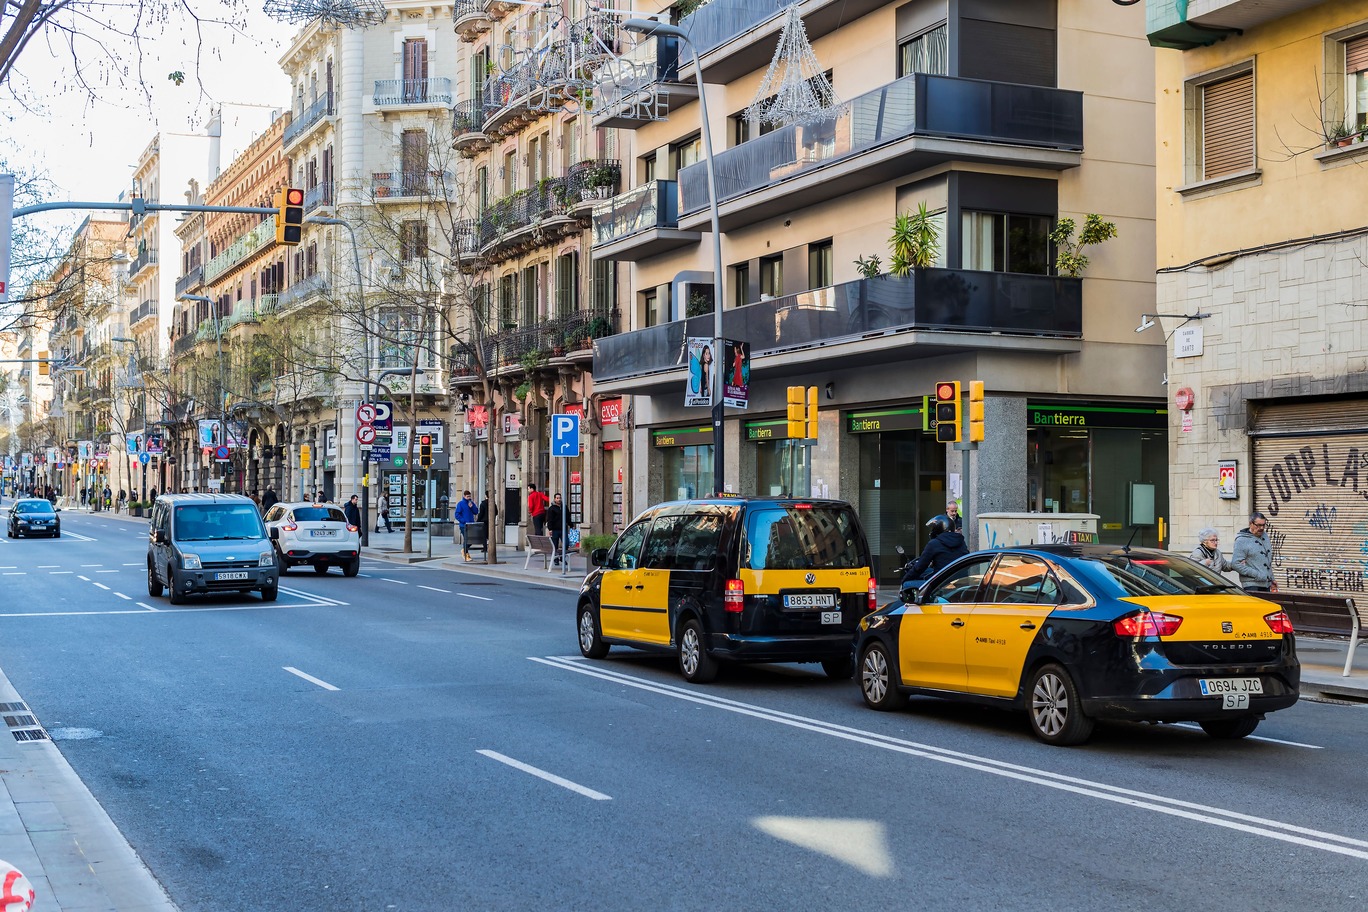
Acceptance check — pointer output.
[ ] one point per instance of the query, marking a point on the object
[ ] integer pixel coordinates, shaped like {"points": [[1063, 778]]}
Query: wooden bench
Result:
{"points": [[1335, 615]]}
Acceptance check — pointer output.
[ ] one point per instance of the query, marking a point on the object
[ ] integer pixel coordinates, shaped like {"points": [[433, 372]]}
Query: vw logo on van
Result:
{"points": [[810, 578]]}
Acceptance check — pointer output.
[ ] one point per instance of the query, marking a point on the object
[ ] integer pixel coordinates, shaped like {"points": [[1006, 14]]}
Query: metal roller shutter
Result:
{"points": [[1314, 491], [1310, 417], [1228, 126]]}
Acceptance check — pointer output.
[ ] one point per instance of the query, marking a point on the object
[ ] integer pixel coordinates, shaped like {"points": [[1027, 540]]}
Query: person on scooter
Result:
{"points": [[944, 546]]}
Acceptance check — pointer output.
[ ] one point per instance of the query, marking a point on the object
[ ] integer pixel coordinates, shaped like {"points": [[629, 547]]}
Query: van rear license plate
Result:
{"points": [[810, 600], [831, 617], [233, 575]]}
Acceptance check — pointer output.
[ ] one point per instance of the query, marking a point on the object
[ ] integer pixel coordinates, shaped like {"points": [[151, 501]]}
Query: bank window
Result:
{"points": [[771, 277], [821, 265], [928, 52], [1006, 242], [1219, 116]]}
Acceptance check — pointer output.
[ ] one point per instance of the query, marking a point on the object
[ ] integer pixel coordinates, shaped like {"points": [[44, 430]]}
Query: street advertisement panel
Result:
{"points": [[131, 444], [85, 449], [155, 445], [237, 434], [698, 389], [736, 375], [210, 432]]}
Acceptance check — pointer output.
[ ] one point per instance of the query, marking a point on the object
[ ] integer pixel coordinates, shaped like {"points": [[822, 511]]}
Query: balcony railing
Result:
{"points": [[652, 205], [251, 310], [919, 104], [183, 343], [468, 117], [321, 195], [144, 310], [470, 19], [300, 292], [568, 332], [145, 258], [716, 23], [244, 247], [396, 92], [319, 109], [409, 183], [952, 300], [192, 279]]}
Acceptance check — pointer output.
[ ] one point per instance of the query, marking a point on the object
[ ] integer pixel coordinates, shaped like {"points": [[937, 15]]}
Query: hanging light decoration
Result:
{"points": [[795, 89]]}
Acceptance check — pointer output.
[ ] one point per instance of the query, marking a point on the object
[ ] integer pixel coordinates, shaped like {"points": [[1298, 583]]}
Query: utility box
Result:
{"points": [[1015, 530]]}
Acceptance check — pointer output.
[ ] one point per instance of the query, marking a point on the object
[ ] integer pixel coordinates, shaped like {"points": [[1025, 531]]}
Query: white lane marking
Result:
{"points": [[364, 575], [80, 577], [310, 678], [147, 606], [92, 565], [1314, 747], [14, 573], [13, 568], [1160, 804], [388, 580], [106, 571], [195, 608], [41, 567], [62, 573], [134, 564], [124, 597], [320, 599], [480, 597], [543, 774], [435, 589], [85, 538], [103, 586]]}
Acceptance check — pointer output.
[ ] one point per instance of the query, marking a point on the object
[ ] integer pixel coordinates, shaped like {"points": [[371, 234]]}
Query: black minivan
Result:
{"points": [[757, 579]]}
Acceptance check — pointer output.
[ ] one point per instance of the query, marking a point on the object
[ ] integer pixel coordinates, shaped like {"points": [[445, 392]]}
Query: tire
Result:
{"points": [[270, 593], [176, 597], [352, 567], [694, 662], [839, 669], [320, 569], [590, 638], [1055, 711], [1230, 729], [281, 562], [154, 585], [877, 679]]}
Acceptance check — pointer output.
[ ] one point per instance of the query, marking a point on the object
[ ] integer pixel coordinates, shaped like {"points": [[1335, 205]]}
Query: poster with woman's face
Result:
{"points": [[699, 391]]}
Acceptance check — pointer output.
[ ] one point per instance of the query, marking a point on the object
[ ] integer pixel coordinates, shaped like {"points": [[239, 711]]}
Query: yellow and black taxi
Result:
{"points": [[1074, 634], [759, 579]]}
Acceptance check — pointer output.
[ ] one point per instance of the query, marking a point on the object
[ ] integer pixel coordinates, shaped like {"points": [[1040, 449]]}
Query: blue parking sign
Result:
{"points": [[565, 435]]}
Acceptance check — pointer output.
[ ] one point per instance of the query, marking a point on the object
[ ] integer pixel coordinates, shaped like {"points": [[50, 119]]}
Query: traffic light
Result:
{"points": [[425, 450], [305, 456], [948, 411], [797, 408], [44, 369], [290, 216], [811, 413], [975, 410]]}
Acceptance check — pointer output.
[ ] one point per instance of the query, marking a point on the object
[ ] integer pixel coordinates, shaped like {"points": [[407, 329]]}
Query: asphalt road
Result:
{"points": [[419, 739]]}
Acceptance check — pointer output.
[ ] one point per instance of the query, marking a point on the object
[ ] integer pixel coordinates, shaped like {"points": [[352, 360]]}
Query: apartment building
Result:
{"points": [[366, 310], [1002, 118], [534, 166], [1263, 109]]}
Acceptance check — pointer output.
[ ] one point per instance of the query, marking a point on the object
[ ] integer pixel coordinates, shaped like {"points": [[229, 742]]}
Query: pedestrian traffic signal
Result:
{"points": [[797, 412], [975, 410], [811, 413], [948, 411], [289, 216], [425, 451]]}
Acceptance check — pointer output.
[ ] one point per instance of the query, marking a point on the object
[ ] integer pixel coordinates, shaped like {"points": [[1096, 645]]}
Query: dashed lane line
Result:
{"points": [[126, 598], [435, 589], [104, 587], [308, 677], [480, 597]]}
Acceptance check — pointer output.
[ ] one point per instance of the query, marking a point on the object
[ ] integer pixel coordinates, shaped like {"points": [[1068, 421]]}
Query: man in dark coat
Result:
{"points": [[352, 510], [945, 546], [269, 499]]}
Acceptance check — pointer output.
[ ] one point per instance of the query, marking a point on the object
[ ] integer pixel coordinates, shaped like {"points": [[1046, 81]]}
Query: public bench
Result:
{"points": [[1335, 615], [539, 546]]}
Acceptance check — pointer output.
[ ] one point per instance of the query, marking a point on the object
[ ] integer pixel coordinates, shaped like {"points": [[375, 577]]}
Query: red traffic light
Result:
{"points": [[425, 440], [946, 392], [294, 197]]}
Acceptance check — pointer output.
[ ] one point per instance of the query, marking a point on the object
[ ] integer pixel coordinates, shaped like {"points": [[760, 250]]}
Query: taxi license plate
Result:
{"points": [[810, 600], [1234, 692], [324, 533], [231, 575], [831, 617]]}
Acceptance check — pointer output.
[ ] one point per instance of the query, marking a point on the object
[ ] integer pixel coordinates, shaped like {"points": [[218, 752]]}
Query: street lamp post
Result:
{"points": [[136, 362], [663, 29], [223, 388]]}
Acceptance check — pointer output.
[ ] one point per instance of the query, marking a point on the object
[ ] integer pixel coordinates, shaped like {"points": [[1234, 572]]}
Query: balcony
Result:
{"points": [[147, 309], [560, 336], [190, 281], [537, 217], [321, 195], [401, 93], [640, 223], [145, 258], [467, 128], [183, 343], [241, 250], [394, 186], [1186, 24], [466, 249], [301, 294], [641, 85], [251, 310], [936, 311], [313, 115], [498, 9], [910, 124], [470, 19]]}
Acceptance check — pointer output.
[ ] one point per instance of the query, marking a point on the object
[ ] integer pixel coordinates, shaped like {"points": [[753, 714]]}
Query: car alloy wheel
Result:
{"points": [[877, 686], [694, 662], [590, 643], [1055, 710]]}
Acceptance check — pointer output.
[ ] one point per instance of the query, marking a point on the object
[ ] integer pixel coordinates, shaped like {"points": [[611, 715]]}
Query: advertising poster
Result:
{"points": [[699, 389], [155, 447], [210, 434], [237, 434], [131, 444], [736, 375]]}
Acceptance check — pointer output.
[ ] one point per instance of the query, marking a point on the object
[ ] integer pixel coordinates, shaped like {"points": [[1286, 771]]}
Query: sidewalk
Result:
{"points": [[446, 554]]}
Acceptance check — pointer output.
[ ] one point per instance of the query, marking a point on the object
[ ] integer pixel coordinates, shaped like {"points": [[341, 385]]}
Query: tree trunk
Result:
{"points": [[408, 461]]}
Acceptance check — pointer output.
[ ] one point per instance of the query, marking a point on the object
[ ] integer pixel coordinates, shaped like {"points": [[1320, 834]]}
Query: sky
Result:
{"points": [[88, 147]]}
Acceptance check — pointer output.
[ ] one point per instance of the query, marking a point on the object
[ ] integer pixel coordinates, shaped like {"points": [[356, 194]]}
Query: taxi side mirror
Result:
{"points": [[909, 592], [598, 557], [274, 533]]}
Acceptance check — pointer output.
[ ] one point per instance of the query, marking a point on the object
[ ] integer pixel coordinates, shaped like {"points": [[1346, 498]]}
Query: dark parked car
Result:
{"points": [[1077, 633], [34, 516]]}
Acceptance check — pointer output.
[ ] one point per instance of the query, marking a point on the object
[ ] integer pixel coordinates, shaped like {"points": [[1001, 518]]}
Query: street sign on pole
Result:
{"points": [[565, 436]]}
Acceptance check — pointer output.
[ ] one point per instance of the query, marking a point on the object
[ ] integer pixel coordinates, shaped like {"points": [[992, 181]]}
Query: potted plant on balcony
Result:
{"points": [[1070, 260], [1339, 134], [380, 182], [915, 241], [602, 180]]}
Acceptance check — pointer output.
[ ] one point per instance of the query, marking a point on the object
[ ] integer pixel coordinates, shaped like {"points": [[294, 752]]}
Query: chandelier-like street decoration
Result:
{"points": [[549, 63], [340, 13], [795, 89]]}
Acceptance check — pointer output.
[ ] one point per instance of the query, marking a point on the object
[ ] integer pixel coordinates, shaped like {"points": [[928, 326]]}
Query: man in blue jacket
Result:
{"points": [[466, 512], [946, 545]]}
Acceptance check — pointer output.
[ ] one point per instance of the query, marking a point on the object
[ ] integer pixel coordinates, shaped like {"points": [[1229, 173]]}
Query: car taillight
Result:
{"points": [[734, 599], [1147, 624], [873, 595], [289, 527], [351, 528], [1278, 622]]}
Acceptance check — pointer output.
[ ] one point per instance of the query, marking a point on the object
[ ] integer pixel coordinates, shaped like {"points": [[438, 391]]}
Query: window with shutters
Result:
{"points": [[1220, 116], [415, 71], [413, 240], [567, 284], [508, 301], [1356, 82], [414, 160]]}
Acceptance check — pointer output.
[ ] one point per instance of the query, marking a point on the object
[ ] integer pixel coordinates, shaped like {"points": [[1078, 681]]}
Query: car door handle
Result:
{"points": [[640, 586], [1028, 626], [957, 623], [628, 587]]}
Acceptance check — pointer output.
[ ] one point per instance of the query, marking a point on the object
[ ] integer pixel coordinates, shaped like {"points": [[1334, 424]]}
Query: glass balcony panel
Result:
{"points": [[652, 205], [721, 20]]}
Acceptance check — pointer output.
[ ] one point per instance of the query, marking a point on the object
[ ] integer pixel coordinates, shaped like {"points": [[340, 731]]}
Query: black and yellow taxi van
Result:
{"points": [[758, 579]]}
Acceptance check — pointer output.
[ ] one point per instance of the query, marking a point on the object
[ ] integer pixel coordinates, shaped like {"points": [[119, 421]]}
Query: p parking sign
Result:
{"points": [[565, 438]]}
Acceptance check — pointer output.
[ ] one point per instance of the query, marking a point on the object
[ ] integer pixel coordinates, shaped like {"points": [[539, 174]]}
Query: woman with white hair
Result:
{"points": [[1208, 551]]}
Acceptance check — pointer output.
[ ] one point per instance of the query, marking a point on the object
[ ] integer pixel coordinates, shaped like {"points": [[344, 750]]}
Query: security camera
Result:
{"points": [[1145, 323]]}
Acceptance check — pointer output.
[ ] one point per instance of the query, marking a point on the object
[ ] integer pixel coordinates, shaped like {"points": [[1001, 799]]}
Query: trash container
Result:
{"points": [[476, 536]]}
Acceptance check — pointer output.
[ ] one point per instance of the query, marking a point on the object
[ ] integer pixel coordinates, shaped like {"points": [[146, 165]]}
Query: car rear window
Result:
{"points": [[799, 537], [319, 514], [217, 522], [1160, 574]]}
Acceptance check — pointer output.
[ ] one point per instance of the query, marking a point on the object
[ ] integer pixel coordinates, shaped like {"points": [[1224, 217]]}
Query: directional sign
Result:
{"points": [[144, 458], [365, 434], [565, 435]]}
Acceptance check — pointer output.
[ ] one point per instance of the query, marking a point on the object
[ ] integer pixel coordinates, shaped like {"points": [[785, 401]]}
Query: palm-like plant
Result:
{"points": [[915, 241]]}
